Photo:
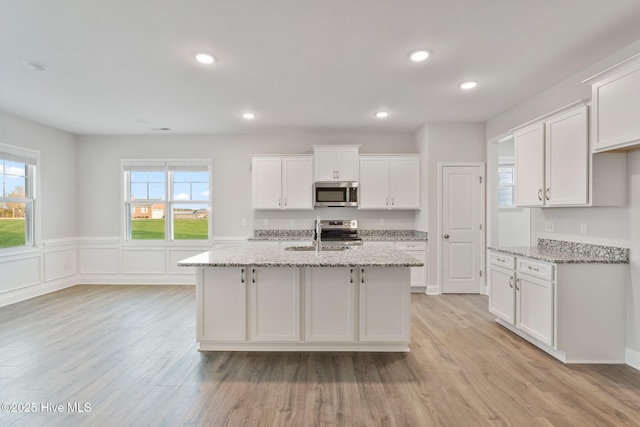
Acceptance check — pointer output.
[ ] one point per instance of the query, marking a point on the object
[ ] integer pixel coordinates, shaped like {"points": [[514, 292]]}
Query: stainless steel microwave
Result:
{"points": [[335, 194]]}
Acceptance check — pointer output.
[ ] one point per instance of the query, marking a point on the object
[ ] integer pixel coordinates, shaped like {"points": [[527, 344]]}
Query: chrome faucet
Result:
{"points": [[317, 240]]}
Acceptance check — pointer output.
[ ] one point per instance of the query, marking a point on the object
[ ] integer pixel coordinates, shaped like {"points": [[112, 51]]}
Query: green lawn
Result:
{"points": [[12, 232], [150, 229]]}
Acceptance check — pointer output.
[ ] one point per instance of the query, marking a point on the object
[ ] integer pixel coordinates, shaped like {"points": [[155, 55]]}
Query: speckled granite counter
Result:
{"points": [[562, 252], [276, 256], [382, 235]]}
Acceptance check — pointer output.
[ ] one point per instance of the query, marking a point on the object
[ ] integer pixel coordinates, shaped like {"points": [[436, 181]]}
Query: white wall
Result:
{"points": [[53, 264], [610, 226], [443, 142], [99, 166]]}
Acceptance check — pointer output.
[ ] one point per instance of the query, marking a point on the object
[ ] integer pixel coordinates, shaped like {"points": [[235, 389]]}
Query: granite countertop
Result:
{"points": [[365, 235], [276, 256], [562, 252]]}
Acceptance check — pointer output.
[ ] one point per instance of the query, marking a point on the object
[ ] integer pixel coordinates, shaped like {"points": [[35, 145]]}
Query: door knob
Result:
{"points": [[446, 236]]}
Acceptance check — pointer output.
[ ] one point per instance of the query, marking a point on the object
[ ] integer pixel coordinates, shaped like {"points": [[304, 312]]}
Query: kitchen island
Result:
{"points": [[265, 298]]}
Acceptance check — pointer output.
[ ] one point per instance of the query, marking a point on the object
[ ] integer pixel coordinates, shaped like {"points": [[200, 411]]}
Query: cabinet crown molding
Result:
{"points": [[629, 62], [551, 114]]}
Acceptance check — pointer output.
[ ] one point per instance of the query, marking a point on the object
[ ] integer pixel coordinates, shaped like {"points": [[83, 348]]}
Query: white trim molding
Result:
{"points": [[632, 358]]}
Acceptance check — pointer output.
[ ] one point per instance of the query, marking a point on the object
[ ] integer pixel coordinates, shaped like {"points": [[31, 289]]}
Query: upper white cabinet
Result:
{"points": [[282, 182], [616, 107], [554, 165], [389, 182], [336, 162]]}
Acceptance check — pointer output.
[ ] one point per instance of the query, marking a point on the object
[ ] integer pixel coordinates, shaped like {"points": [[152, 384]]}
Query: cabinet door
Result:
{"points": [[374, 183], [384, 304], [616, 108], [418, 274], [502, 294], [567, 159], [534, 308], [325, 163], [404, 182], [329, 304], [222, 304], [266, 176], [297, 182], [529, 157], [275, 303], [347, 162]]}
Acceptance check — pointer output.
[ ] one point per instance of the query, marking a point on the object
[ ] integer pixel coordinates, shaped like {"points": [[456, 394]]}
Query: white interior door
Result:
{"points": [[461, 228]]}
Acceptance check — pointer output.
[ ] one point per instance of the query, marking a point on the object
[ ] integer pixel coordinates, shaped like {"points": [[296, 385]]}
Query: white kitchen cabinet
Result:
{"points": [[222, 301], [417, 250], [521, 299], [554, 166], [565, 308], [336, 162], [616, 107], [329, 295], [384, 299], [282, 182], [275, 303], [389, 182]]}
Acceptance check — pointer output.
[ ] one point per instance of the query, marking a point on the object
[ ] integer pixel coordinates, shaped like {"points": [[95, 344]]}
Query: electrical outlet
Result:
{"points": [[382, 221], [550, 227], [243, 221], [584, 229]]}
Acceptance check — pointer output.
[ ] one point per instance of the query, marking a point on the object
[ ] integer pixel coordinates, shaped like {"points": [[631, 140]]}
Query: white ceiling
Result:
{"points": [[126, 66]]}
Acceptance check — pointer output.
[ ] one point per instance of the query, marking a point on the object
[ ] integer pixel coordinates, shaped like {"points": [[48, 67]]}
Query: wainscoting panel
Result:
{"points": [[99, 260], [59, 264], [143, 261], [176, 255], [20, 272]]}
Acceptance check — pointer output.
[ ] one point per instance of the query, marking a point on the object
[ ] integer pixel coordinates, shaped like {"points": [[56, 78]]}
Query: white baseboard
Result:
{"points": [[115, 279], [433, 290], [632, 358], [28, 292]]}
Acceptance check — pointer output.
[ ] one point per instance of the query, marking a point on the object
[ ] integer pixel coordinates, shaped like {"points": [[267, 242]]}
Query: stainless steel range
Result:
{"points": [[340, 232]]}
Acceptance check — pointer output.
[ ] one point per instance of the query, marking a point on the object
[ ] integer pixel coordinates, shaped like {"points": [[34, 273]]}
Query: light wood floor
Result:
{"points": [[129, 351]]}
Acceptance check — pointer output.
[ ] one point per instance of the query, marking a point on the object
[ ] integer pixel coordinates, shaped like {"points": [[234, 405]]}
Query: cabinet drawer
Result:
{"points": [[411, 246], [502, 260], [535, 269]]}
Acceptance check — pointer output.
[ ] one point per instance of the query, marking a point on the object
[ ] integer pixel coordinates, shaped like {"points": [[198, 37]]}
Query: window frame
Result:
{"points": [[507, 162], [31, 160], [168, 166]]}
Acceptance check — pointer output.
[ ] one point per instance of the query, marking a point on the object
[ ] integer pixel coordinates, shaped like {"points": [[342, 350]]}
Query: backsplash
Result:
{"points": [[621, 254]]}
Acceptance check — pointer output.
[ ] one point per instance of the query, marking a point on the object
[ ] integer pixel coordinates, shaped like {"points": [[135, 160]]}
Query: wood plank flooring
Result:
{"points": [[130, 353]]}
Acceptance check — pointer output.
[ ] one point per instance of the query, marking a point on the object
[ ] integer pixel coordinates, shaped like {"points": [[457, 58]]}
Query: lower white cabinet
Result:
{"points": [[575, 312], [329, 304], [384, 304], [418, 250], [275, 303], [303, 308], [222, 302]]}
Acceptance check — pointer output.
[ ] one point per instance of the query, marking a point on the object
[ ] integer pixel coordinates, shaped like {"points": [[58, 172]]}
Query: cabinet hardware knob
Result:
{"points": [[511, 282], [446, 236], [517, 281], [500, 259], [351, 275], [253, 275], [546, 193], [362, 275], [540, 194], [533, 268], [242, 276], [393, 201], [285, 201]]}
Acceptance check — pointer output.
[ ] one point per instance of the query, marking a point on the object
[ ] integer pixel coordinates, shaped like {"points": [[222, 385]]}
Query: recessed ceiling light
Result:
{"points": [[468, 85], [419, 55], [34, 65], [205, 58], [382, 114], [249, 116]]}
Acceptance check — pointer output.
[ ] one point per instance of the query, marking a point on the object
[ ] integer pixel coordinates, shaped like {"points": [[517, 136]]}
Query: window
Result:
{"points": [[506, 184], [167, 200], [17, 196]]}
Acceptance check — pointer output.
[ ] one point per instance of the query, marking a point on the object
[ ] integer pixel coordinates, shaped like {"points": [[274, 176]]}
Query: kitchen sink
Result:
{"points": [[311, 248]]}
